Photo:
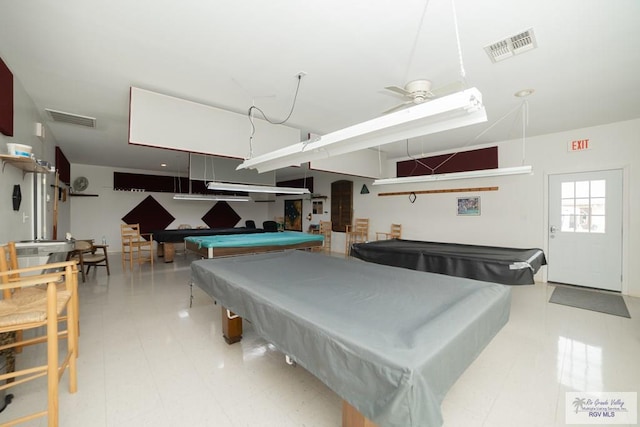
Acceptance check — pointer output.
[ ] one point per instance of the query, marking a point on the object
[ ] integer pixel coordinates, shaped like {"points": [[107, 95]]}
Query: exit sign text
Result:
{"points": [[579, 145]]}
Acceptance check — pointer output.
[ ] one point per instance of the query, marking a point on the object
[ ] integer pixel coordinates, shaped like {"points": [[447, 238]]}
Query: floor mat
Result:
{"points": [[590, 300]]}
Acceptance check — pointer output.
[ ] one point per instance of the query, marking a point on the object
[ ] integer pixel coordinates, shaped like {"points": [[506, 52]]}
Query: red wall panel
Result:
{"points": [[6, 99], [484, 158]]}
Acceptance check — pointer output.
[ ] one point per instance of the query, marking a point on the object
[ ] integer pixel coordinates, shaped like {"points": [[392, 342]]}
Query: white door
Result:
{"points": [[585, 229]]}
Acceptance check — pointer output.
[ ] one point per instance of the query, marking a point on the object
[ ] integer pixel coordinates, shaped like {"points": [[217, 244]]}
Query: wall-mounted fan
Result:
{"points": [[419, 91], [80, 184]]}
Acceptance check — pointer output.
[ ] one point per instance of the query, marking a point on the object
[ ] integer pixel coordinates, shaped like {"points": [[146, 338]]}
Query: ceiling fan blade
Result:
{"points": [[448, 89], [398, 90]]}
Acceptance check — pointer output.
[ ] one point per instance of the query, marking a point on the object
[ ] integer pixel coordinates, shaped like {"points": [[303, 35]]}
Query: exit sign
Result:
{"points": [[579, 145]]}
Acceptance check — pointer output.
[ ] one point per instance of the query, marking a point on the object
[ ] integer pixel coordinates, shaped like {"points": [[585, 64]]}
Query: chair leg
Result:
{"points": [[52, 356], [82, 270], [106, 260], [73, 330]]}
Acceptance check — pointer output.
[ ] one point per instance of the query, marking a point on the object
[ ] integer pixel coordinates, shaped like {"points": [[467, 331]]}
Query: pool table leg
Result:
{"points": [[351, 417], [231, 326], [169, 251]]}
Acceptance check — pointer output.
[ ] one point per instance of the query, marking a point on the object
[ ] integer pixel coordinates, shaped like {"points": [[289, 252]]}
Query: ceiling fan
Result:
{"points": [[419, 91]]}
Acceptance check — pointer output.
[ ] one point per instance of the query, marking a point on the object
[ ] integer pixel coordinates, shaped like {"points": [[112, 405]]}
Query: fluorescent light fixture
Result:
{"points": [[448, 112], [249, 188], [518, 170], [211, 197]]}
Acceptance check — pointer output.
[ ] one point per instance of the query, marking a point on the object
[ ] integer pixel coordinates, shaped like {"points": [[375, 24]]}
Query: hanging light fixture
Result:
{"points": [[453, 111], [211, 197], [518, 170], [250, 188]]}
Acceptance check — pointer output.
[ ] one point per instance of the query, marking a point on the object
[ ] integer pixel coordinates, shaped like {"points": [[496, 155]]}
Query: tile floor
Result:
{"points": [[148, 359]]}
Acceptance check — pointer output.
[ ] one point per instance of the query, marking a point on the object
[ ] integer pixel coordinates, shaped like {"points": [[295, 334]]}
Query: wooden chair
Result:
{"points": [[136, 246], [11, 273], [395, 233], [325, 230], [358, 232], [86, 253], [39, 301]]}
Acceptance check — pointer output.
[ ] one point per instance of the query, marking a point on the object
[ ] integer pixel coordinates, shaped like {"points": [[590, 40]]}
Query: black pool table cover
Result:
{"points": [[508, 266]]}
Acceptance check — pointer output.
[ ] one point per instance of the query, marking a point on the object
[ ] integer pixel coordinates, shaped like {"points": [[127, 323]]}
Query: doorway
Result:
{"points": [[585, 229]]}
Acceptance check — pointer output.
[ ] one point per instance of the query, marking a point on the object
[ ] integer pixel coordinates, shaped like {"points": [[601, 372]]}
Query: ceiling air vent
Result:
{"points": [[512, 45], [74, 119]]}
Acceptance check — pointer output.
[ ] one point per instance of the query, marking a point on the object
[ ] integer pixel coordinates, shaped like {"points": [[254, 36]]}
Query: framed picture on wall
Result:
{"points": [[293, 215], [468, 206], [317, 207]]}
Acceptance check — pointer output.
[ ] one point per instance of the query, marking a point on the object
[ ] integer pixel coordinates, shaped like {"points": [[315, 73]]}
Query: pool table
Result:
{"points": [[390, 342], [229, 245], [508, 266], [167, 239]]}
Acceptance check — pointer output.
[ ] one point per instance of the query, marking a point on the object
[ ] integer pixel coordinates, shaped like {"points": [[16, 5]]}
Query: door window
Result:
{"points": [[583, 206]]}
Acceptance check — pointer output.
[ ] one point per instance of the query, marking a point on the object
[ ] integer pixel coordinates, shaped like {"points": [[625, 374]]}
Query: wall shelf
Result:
{"points": [[83, 195], [27, 164]]}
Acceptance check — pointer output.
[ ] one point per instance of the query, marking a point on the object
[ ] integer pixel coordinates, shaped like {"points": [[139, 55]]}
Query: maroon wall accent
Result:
{"points": [[298, 183], [221, 215], [158, 183], [63, 166], [123, 181], [150, 215], [484, 158], [6, 99]]}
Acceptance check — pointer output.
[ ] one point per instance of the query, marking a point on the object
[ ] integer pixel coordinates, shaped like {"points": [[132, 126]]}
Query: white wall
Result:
{"points": [[24, 123], [94, 217]]}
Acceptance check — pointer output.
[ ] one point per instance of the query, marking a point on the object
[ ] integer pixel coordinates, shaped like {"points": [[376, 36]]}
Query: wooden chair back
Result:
{"points": [[361, 226], [40, 302], [325, 230], [396, 231], [135, 245], [358, 232], [8, 262]]}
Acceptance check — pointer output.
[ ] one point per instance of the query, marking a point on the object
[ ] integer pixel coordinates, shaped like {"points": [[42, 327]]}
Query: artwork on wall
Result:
{"points": [[16, 197], [468, 206], [293, 215], [317, 207]]}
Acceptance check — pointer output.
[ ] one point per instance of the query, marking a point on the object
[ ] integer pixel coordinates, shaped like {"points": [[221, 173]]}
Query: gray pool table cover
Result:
{"points": [[390, 341]]}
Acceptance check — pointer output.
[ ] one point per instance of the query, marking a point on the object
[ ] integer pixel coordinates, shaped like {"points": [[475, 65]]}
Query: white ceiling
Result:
{"points": [[82, 56]]}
